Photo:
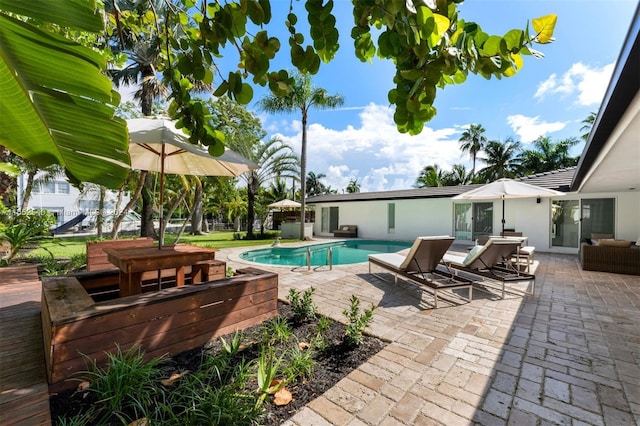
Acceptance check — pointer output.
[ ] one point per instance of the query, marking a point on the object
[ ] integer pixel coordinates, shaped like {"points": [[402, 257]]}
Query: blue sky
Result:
{"points": [[548, 97]]}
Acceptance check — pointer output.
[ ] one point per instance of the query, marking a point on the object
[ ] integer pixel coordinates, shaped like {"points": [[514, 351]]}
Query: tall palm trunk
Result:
{"points": [[196, 214], [28, 188], [252, 189], [303, 173], [146, 225]]}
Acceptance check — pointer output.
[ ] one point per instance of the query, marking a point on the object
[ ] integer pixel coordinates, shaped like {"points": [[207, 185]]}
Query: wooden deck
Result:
{"points": [[24, 395]]}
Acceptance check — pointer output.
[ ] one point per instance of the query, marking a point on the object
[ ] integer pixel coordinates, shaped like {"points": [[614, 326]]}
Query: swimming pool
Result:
{"points": [[343, 252]]}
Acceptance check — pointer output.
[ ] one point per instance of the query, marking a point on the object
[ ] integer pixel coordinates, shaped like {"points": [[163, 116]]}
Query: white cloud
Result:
{"points": [[529, 129], [588, 85], [379, 157]]}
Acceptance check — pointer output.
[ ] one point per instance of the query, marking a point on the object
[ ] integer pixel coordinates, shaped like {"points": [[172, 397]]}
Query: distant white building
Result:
{"points": [[66, 202]]}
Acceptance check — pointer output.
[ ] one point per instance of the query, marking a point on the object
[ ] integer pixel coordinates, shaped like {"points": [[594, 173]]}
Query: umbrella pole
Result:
{"points": [[502, 235], [162, 155]]}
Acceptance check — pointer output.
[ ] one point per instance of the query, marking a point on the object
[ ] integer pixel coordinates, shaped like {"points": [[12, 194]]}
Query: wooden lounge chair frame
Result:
{"points": [[492, 261], [421, 266]]}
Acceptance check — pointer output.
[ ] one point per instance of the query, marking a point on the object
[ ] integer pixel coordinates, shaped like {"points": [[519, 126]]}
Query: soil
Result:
{"points": [[331, 365]]}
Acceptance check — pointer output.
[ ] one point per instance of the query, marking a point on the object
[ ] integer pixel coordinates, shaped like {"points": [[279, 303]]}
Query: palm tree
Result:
{"points": [[472, 141], [353, 186], [588, 124], [430, 176], [313, 184], [144, 53], [302, 97], [547, 156], [276, 159], [236, 208], [457, 176], [501, 160], [277, 190]]}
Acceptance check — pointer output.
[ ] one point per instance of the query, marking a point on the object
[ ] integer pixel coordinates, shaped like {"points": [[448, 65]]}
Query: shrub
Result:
{"points": [[303, 307], [26, 227], [358, 322]]}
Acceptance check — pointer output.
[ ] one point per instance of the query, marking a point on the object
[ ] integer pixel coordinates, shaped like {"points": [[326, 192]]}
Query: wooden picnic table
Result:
{"points": [[133, 262]]}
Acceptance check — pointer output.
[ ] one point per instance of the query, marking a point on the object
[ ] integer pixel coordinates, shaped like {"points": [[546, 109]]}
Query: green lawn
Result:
{"points": [[64, 248]]}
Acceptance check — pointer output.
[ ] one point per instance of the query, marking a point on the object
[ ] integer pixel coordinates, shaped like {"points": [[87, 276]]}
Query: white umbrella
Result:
{"points": [[156, 145], [507, 188], [285, 204]]}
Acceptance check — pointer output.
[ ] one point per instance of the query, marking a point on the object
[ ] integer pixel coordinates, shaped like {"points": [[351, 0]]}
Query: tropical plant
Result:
{"points": [[299, 364], [243, 133], [268, 367], [430, 176], [547, 156], [236, 208], [276, 330], [302, 97], [127, 384], [457, 176], [501, 159], [29, 226], [353, 186], [473, 142], [314, 185], [276, 191], [587, 125], [38, 62], [357, 321]]}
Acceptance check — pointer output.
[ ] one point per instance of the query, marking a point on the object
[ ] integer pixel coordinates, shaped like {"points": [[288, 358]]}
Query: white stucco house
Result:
{"points": [[67, 202], [602, 193]]}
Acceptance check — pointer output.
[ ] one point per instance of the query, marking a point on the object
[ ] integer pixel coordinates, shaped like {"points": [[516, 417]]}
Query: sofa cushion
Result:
{"points": [[614, 243]]}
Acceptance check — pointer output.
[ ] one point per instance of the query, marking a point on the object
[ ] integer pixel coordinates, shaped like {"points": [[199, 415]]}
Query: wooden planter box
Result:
{"points": [[78, 331]]}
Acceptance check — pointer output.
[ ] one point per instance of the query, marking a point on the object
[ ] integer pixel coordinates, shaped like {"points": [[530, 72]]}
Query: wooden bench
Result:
{"points": [[101, 279], [348, 231]]}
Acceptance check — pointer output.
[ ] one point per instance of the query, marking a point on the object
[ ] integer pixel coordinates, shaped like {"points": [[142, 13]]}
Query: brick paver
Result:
{"points": [[566, 355]]}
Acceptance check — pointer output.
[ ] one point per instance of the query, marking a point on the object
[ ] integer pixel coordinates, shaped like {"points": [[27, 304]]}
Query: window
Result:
{"points": [[48, 187], [391, 217], [63, 187]]}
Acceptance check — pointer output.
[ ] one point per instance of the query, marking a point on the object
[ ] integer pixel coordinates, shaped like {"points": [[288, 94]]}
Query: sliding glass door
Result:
{"points": [[575, 220], [597, 217], [329, 219], [471, 220]]}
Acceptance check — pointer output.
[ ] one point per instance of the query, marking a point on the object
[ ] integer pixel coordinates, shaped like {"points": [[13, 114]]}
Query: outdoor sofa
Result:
{"points": [[609, 255], [346, 231]]}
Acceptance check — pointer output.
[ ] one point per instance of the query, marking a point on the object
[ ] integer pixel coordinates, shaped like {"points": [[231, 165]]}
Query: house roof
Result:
{"points": [[610, 160], [559, 180]]}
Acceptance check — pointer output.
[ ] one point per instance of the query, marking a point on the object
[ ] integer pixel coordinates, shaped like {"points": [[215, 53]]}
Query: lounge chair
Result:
{"points": [[493, 260], [421, 263]]}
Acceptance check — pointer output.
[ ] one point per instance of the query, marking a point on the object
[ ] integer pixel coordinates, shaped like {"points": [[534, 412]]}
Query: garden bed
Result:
{"points": [[330, 365]]}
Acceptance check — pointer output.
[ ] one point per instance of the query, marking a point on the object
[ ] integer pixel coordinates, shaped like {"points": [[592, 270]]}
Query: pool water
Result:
{"points": [[343, 252]]}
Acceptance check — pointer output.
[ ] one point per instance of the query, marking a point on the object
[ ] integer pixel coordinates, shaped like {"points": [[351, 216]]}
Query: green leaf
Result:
{"points": [[245, 94], [494, 46], [79, 14], [50, 115]]}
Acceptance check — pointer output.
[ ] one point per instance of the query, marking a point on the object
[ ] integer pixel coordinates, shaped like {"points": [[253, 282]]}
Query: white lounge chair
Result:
{"points": [[421, 263], [492, 260]]}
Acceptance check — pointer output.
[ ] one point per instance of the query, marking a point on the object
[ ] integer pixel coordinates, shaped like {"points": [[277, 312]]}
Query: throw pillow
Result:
{"points": [[472, 253], [615, 243], [638, 241]]}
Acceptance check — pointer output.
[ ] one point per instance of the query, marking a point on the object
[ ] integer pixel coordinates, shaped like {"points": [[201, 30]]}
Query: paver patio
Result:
{"points": [[570, 354]]}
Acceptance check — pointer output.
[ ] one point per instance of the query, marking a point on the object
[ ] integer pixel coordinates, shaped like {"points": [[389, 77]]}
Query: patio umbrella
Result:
{"points": [[507, 188], [156, 145], [285, 204]]}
